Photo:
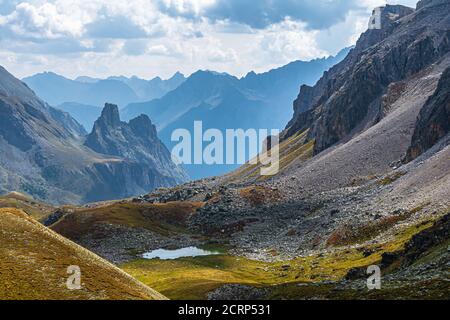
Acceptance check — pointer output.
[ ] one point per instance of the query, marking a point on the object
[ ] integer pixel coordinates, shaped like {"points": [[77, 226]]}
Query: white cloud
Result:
{"points": [[288, 41], [159, 50], [159, 37], [42, 22]]}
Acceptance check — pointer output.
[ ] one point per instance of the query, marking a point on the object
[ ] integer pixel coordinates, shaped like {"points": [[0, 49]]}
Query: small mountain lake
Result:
{"points": [[179, 253]]}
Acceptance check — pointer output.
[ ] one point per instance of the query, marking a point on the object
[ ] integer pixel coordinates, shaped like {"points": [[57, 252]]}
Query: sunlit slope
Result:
{"points": [[166, 219], [295, 149], [34, 262], [33, 208]]}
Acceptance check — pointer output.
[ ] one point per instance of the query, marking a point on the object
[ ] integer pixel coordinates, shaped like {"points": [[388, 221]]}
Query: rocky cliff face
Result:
{"points": [[42, 154], [434, 119], [350, 96], [424, 3], [136, 142]]}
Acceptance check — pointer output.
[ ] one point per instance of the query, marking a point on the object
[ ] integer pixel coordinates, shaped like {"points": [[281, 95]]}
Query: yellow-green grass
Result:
{"points": [[30, 206], [165, 219], [391, 178], [34, 262], [193, 278], [258, 195], [290, 150], [351, 234]]}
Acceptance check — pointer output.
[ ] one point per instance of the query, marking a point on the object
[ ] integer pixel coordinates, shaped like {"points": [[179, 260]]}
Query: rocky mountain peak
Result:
{"points": [[408, 42], [110, 116], [177, 76], [143, 127], [146, 162], [391, 13], [382, 25]]}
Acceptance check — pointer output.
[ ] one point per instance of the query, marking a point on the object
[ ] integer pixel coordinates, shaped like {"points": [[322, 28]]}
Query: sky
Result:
{"points": [[148, 38]]}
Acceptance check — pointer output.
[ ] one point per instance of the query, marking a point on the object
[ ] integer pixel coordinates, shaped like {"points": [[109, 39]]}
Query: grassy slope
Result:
{"points": [[34, 262], [193, 278], [33, 208], [296, 148], [165, 219]]}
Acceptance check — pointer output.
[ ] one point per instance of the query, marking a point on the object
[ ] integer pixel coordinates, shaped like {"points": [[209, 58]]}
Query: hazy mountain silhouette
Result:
{"points": [[151, 89], [222, 101], [86, 115], [56, 89]]}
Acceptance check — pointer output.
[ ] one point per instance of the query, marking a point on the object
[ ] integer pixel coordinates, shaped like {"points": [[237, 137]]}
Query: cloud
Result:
{"points": [[7, 6], [215, 52], [60, 46], [115, 27], [288, 41], [159, 50], [135, 47], [160, 37], [317, 14], [43, 22]]}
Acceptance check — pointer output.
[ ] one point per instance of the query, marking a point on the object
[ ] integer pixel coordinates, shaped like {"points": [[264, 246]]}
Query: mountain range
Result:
{"points": [[222, 101], [44, 153], [219, 100], [364, 181], [364, 184], [89, 94]]}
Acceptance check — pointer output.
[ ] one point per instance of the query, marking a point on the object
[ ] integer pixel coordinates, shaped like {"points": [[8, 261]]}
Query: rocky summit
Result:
{"points": [[409, 41], [136, 142]]}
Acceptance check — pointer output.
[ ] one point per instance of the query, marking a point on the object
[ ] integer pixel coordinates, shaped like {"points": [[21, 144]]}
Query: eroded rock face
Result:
{"points": [[351, 92], [424, 3], [148, 160], [433, 122]]}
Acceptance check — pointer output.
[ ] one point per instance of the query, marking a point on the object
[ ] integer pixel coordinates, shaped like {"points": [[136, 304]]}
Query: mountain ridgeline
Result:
{"points": [[408, 42], [83, 97], [56, 89], [221, 101], [44, 153], [364, 181]]}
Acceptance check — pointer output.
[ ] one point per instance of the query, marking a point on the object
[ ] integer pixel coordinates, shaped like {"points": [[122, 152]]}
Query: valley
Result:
{"points": [[363, 181]]}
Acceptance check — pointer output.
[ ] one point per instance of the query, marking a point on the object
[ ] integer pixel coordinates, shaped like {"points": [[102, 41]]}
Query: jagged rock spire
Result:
{"points": [[110, 115]]}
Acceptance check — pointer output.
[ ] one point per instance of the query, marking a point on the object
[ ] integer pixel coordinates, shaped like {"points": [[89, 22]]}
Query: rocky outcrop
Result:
{"points": [[350, 95], [420, 244], [434, 120], [136, 142]]}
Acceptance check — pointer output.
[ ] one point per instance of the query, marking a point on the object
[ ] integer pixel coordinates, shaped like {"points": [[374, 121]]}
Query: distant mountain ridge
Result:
{"points": [[222, 101], [154, 88], [219, 100], [278, 86], [57, 90], [86, 115]]}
